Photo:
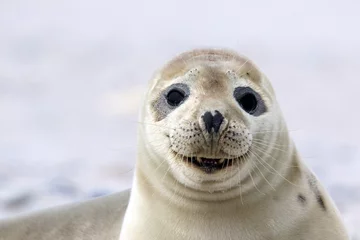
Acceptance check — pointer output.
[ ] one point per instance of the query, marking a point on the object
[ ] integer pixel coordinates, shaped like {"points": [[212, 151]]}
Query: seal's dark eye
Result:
{"points": [[175, 97], [249, 100]]}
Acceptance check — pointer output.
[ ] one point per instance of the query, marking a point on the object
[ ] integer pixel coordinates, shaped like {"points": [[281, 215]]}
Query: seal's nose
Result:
{"points": [[213, 121]]}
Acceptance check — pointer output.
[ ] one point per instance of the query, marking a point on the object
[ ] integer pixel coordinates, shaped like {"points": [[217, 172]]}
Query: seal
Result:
{"points": [[214, 161], [97, 219]]}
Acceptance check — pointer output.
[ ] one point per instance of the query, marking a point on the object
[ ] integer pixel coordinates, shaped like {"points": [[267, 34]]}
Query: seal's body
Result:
{"points": [[214, 161], [97, 219]]}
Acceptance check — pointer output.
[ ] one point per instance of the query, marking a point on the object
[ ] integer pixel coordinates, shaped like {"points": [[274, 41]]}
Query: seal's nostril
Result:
{"points": [[213, 121], [208, 120], [217, 121]]}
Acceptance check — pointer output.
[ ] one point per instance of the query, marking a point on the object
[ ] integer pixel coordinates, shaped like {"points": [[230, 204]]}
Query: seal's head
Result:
{"points": [[203, 112]]}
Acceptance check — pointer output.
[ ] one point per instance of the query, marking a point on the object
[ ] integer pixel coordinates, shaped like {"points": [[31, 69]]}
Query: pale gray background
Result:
{"points": [[72, 74]]}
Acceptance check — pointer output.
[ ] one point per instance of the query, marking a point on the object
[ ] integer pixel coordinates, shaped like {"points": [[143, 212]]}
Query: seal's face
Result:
{"points": [[208, 113]]}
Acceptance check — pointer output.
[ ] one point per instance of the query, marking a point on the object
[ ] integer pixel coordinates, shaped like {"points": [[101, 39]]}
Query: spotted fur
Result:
{"points": [[313, 184]]}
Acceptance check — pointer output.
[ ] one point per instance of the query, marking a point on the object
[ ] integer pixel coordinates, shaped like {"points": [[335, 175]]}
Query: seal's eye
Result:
{"points": [[175, 97], [249, 100]]}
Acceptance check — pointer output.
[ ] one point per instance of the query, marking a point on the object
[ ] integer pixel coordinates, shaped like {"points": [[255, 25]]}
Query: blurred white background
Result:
{"points": [[72, 74]]}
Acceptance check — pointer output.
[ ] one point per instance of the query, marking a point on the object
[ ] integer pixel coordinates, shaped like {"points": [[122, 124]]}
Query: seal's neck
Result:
{"points": [[157, 211], [160, 209]]}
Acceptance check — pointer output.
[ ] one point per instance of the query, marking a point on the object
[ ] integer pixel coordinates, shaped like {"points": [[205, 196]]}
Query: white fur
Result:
{"points": [[260, 199]]}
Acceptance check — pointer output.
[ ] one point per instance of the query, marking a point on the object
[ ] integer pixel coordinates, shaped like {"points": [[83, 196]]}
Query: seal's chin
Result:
{"points": [[209, 165]]}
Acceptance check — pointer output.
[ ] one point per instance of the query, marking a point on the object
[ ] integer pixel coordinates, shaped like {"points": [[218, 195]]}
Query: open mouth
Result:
{"points": [[209, 165]]}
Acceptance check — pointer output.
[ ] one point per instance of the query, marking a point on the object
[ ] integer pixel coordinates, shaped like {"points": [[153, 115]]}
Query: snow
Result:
{"points": [[72, 74]]}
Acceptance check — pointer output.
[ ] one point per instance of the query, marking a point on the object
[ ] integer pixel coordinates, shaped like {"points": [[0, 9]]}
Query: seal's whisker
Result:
{"points": [[272, 131], [263, 146], [267, 145], [158, 167], [175, 191], [272, 143], [241, 66], [239, 175], [275, 171], [262, 173], [226, 169], [256, 187], [168, 169], [257, 148], [161, 163], [247, 155]]}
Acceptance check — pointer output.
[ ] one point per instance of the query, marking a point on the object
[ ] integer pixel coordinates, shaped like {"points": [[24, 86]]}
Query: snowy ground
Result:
{"points": [[72, 74]]}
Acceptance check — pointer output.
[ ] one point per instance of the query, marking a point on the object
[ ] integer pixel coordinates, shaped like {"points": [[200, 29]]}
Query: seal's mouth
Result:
{"points": [[209, 165]]}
